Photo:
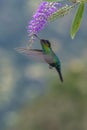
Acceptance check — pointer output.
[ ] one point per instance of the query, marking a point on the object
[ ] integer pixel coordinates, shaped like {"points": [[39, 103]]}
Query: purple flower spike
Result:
{"points": [[39, 20]]}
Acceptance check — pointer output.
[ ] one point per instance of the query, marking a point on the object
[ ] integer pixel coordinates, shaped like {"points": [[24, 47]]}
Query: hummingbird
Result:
{"points": [[46, 53], [51, 58]]}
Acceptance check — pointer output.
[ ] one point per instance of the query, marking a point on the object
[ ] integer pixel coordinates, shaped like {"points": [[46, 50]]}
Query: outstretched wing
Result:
{"points": [[35, 54], [27, 51]]}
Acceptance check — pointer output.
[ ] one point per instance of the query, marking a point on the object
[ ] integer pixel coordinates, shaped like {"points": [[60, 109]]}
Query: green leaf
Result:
{"points": [[53, 0], [77, 20], [61, 12], [77, 1]]}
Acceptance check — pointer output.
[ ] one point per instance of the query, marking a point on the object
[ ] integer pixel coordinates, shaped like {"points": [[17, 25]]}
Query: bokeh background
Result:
{"points": [[31, 95]]}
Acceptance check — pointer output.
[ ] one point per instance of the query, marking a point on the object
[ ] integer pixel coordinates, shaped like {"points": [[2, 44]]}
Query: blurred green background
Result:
{"points": [[31, 95]]}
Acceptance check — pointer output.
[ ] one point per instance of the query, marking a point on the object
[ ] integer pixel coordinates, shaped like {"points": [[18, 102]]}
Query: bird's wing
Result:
{"points": [[27, 51], [36, 54], [33, 54]]}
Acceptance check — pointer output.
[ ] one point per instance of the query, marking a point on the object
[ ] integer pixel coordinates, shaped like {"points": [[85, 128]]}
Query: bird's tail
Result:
{"points": [[59, 72]]}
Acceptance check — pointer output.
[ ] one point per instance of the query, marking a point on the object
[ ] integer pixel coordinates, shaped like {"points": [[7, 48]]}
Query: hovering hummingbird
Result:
{"points": [[46, 53]]}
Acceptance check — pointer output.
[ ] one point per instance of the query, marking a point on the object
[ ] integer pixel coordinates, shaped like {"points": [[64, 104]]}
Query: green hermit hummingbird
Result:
{"points": [[46, 53], [50, 57]]}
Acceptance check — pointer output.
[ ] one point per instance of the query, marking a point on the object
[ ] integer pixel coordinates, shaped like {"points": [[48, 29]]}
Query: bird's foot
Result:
{"points": [[50, 67]]}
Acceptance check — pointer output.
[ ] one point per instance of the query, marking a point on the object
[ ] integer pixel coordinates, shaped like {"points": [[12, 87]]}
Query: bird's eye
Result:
{"points": [[48, 43]]}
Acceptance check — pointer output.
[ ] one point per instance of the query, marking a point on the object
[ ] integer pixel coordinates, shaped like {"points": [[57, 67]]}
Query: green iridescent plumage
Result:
{"points": [[53, 60]]}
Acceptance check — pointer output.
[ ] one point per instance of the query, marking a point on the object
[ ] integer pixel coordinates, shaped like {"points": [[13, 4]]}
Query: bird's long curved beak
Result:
{"points": [[37, 36]]}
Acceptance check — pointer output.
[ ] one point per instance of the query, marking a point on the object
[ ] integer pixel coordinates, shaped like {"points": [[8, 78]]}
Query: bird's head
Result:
{"points": [[45, 43]]}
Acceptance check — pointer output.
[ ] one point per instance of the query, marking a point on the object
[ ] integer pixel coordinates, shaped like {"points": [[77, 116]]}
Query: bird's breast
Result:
{"points": [[49, 59]]}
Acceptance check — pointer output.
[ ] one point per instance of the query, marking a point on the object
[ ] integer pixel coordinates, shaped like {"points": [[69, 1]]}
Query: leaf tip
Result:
{"points": [[72, 36]]}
